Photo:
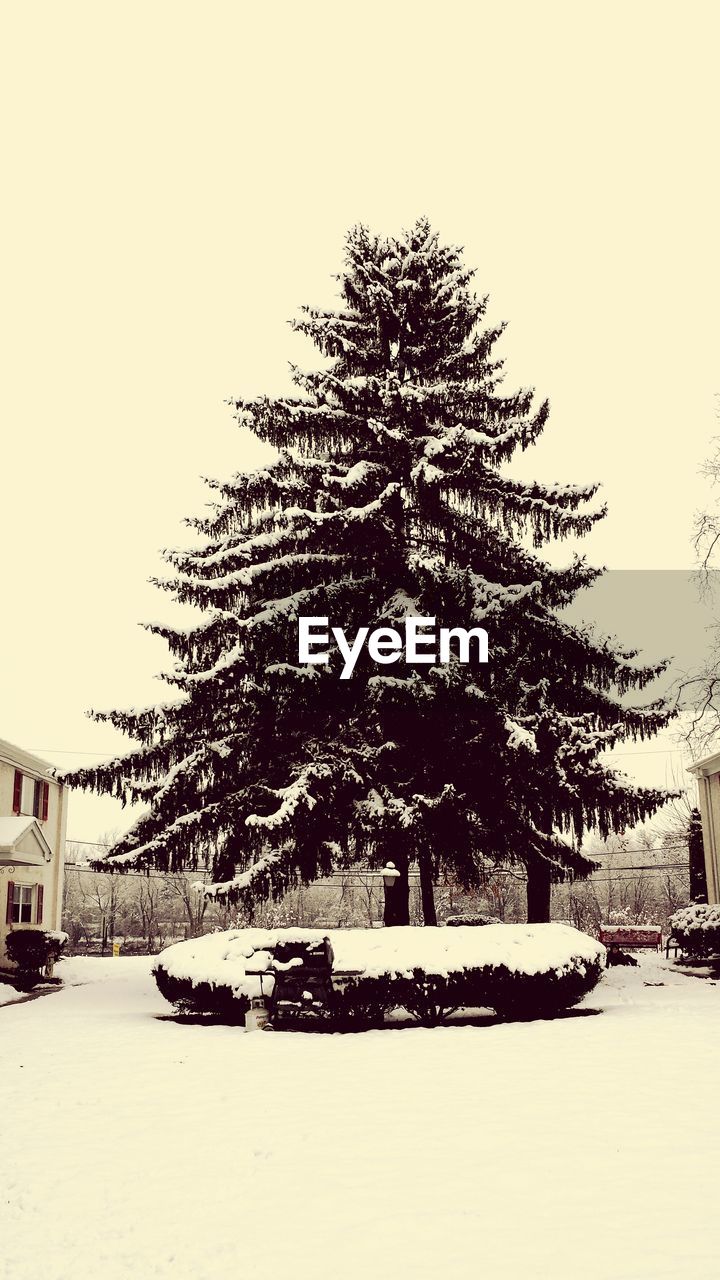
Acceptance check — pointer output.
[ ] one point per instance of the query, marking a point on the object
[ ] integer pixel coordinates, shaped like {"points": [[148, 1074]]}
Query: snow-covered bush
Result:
{"points": [[697, 929], [471, 918], [33, 951], [518, 970]]}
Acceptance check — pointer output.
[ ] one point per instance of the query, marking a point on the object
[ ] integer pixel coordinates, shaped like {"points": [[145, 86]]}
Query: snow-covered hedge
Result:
{"points": [[518, 970], [697, 929], [33, 951]]}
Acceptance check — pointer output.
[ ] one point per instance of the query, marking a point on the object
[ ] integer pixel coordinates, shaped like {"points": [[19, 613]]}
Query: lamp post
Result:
{"points": [[390, 876]]}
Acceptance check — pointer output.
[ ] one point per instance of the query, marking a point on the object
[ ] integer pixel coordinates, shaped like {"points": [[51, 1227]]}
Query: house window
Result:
{"points": [[22, 904], [30, 796], [28, 800]]}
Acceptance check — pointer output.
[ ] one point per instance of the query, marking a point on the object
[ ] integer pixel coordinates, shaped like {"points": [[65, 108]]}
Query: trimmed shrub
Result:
{"points": [[364, 1002], [190, 998], [519, 971], [697, 929], [431, 999], [542, 995], [33, 951], [360, 1004]]}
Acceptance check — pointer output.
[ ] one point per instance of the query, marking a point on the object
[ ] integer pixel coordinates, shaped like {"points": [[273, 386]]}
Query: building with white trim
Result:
{"points": [[33, 822], [707, 773]]}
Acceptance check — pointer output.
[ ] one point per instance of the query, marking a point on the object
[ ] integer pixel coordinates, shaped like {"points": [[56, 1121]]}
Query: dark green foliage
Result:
{"points": [[542, 995], [431, 998], [33, 950], [388, 498], [215, 999], [361, 1004]]}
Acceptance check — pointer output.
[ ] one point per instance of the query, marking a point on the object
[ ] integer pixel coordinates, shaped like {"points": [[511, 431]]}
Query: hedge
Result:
{"points": [[520, 971]]}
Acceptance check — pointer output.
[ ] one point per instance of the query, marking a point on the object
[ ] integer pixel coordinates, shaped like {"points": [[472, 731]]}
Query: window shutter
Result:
{"points": [[45, 800], [39, 913], [37, 794], [11, 894], [17, 791]]}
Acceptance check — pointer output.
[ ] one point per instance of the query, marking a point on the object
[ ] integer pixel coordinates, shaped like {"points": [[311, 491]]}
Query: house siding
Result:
{"points": [[49, 874]]}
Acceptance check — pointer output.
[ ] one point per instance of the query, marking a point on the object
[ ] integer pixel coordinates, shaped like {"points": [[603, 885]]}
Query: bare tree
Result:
{"points": [[502, 893], [149, 897], [194, 903], [106, 894], [698, 692]]}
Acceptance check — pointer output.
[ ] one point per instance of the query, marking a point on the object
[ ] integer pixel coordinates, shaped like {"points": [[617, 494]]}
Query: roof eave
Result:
{"points": [[707, 767], [18, 756]]}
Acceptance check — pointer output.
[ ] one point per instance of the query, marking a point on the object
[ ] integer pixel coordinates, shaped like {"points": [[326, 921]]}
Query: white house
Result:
{"points": [[707, 773], [33, 820]]}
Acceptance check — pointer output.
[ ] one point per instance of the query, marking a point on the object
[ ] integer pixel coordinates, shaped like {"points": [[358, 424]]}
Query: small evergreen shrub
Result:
{"points": [[33, 951], [697, 929]]}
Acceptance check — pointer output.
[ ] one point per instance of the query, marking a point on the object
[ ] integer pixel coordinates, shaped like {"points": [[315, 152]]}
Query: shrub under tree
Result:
{"points": [[389, 497], [353, 978]]}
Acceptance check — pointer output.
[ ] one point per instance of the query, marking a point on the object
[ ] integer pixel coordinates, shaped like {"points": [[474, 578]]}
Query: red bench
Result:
{"points": [[631, 937]]}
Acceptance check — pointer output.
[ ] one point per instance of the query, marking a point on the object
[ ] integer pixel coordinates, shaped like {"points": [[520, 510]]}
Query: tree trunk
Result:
{"points": [[426, 889], [538, 894], [696, 851]]}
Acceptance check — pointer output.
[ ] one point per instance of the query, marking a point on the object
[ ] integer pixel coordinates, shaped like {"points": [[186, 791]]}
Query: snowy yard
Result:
{"points": [[135, 1147]]}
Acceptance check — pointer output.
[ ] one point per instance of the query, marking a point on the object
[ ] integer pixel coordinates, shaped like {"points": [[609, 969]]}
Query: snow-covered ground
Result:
{"points": [[8, 995], [135, 1147]]}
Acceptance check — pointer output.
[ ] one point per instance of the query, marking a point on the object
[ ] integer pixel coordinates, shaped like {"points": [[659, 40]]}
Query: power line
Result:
{"points": [[111, 754], [335, 876], [144, 875], [96, 844], [55, 751], [371, 876], [618, 853], [600, 853]]}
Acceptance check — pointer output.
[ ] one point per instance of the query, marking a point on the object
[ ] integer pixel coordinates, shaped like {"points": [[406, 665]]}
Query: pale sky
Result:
{"points": [[179, 180]]}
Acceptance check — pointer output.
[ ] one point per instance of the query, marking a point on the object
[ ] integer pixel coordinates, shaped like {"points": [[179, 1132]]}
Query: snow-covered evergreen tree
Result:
{"points": [[389, 497]]}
